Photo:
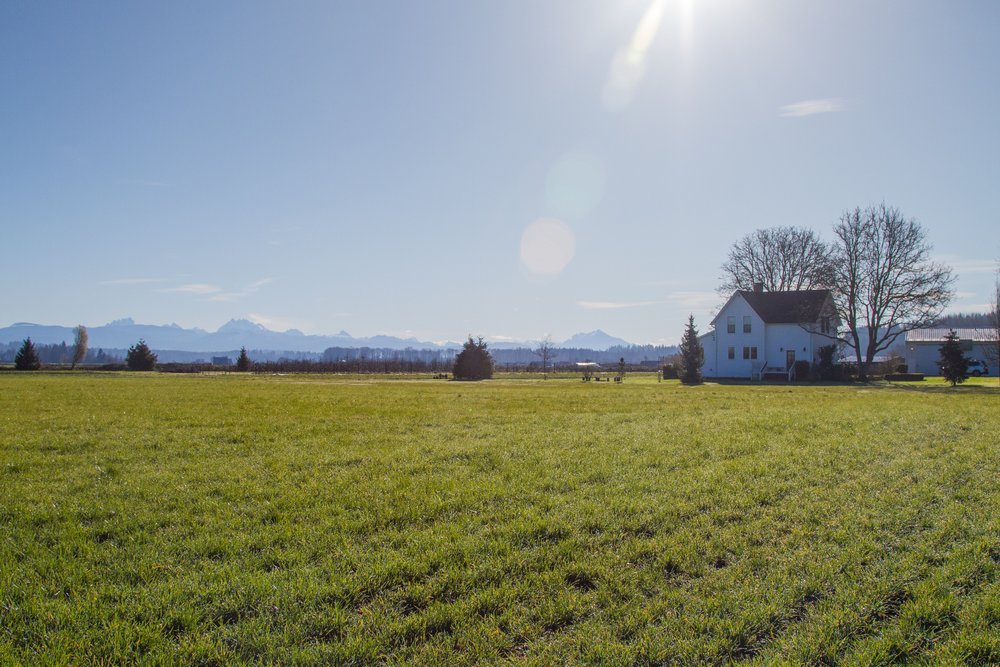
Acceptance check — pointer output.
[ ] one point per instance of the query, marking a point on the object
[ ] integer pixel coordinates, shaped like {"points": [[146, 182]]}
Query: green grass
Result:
{"points": [[296, 519]]}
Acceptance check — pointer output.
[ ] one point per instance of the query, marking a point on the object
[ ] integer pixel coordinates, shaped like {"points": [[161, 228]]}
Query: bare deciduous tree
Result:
{"points": [[79, 345], [780, 258], [885, 283], [547, 353]]}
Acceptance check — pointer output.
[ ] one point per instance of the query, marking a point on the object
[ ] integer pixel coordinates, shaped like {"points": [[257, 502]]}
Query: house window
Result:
{"points": [[749, 352], [746, 324], [731, 324], [824, 325], [731, 352]]}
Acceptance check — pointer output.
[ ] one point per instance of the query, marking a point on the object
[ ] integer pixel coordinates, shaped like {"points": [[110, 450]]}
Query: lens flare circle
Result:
{"points": [[547, 246], [575, 186]]}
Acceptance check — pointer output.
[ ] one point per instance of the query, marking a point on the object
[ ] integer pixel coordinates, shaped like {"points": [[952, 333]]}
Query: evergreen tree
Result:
{"points": [[953, 364], [243, 362], [474, 362], [27, 358], [140, 357], [692, 355]]}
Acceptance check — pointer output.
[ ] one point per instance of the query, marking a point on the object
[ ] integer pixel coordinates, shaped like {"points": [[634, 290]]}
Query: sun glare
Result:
{"points": [[645, 33], [629, 64], [547, 246]]}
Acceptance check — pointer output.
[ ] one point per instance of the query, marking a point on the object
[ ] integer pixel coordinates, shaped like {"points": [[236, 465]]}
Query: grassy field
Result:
{"points": [[220, 519]]}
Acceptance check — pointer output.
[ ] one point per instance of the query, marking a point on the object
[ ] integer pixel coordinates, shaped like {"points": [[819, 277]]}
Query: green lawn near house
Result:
{"points": [[234, 518]]}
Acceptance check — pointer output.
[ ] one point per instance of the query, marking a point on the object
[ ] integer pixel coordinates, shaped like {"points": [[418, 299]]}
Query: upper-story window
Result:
{"points": [[747, 327], [731, 324], [824, 325]]}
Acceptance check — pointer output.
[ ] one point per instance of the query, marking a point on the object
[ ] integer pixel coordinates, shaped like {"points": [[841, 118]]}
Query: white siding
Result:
{"points": [[738, 367], [923, 357], [784, 337], [707, 341], [772, 342]]}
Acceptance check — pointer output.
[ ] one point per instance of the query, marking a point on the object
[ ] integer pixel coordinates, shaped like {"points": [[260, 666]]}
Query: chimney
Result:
{"points": [[758, 287]]}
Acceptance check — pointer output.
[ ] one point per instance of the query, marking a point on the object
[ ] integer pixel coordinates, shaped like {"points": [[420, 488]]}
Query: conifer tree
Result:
{"points": [[953, 364], [27, 357], [140, 357], [692, 355], [474, 362], [243, 362]]}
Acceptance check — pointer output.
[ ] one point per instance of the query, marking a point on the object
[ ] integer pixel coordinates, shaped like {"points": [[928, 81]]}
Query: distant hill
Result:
{"points": [[594, 340], [231, 335], [234, 334]]}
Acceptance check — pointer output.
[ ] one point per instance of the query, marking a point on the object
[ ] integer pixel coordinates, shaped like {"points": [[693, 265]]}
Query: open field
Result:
{"points": [[310, 519]]}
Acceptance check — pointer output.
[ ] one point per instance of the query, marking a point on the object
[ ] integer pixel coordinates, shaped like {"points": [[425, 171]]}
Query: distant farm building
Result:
{"points": [[923, 348]]}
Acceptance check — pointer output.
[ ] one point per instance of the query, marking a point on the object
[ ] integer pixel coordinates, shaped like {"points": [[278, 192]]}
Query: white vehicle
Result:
{"points": [[978, 368]]}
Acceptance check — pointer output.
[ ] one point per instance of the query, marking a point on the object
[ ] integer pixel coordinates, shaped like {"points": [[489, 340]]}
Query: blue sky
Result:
{"points": [[511, 169]]}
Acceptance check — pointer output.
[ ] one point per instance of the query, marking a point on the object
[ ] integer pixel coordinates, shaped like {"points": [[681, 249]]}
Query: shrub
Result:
{"points": [[474, 362], [140, 357], [826, 369]]}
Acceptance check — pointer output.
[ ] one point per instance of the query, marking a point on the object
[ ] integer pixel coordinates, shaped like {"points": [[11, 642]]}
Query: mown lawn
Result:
{"points": [[220, 519]]}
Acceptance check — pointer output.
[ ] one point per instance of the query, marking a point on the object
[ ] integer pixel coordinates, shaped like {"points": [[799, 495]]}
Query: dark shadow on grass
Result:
{"points": [[918, 386], [746, 382], [964, 389]]}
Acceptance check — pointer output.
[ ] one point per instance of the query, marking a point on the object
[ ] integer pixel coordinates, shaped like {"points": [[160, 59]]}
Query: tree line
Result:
{"points": [[61, 354]]}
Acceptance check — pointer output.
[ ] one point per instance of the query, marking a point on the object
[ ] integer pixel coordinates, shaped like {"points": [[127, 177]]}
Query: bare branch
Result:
{"points": [[884, 281], [780, 258], [547, 354]]}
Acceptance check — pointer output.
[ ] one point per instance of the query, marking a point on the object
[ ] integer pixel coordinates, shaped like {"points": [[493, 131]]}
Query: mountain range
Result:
{"points": [[233, 335]]}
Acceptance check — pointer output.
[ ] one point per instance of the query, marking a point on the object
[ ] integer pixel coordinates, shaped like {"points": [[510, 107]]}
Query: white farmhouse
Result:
{"points": [[759, 333], [923, 348]]}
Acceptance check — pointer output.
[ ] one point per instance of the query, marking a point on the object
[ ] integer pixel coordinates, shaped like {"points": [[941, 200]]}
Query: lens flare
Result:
{"points": [[574, 186], [629, 65], [547, 246]]}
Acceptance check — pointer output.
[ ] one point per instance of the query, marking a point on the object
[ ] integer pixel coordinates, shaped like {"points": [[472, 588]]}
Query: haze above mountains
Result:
{"points": [[233, 335]]}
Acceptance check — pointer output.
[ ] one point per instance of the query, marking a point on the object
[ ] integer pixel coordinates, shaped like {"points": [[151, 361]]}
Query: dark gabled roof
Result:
{"points": [[787, 307]]}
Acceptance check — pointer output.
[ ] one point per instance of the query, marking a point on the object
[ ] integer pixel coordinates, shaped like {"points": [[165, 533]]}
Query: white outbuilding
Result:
{"points": [[923, 348]]}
